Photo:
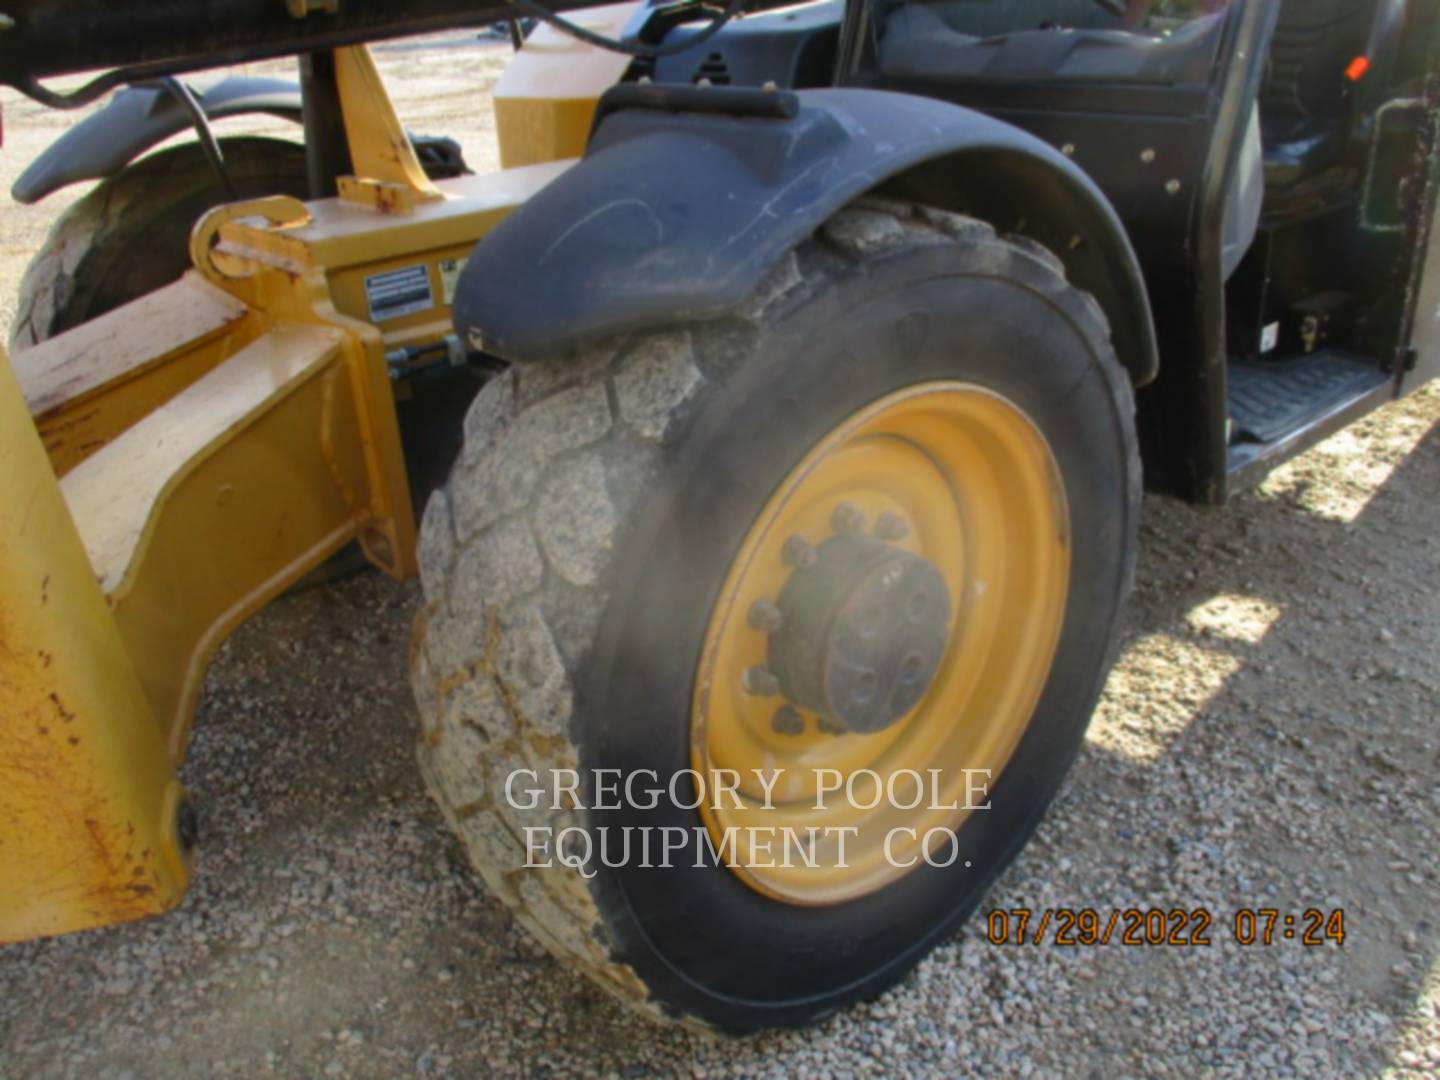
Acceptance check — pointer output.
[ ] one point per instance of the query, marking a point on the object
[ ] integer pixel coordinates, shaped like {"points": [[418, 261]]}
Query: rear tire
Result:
{"points": [[570, 565], [130, 235]]}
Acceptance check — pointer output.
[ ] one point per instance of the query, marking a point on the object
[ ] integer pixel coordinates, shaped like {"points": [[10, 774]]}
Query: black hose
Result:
{"points": [[208, 143], [648, 52]]}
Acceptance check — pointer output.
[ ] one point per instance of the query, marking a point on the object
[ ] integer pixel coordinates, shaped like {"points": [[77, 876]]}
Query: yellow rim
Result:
{"points": [[958, 476]]}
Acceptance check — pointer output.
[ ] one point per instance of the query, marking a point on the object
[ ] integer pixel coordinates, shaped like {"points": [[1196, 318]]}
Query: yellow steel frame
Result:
{"points": [[167, 469], [87, 791]]}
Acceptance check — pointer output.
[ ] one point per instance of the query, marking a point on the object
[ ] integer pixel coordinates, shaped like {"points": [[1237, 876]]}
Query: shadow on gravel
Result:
{"points": [[1268, 739], [1272, 724]]}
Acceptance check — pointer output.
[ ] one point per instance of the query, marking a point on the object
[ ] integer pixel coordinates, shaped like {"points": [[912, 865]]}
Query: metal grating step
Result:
{"points": [[1270, 401]]}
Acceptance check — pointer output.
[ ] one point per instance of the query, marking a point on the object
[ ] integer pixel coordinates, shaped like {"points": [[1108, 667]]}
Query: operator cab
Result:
{"points": [[1313, 268], [1070, 47], [1313, 294]]}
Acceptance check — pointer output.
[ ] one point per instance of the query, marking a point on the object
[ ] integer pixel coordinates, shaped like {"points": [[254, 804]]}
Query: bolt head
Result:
{"points": [[847, 519], [826, 726], [765, 615], [760, 681], [787, 721], [798, 552], [890, 526]]}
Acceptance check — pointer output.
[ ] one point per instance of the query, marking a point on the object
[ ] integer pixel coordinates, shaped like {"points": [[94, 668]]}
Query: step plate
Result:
{"points": [[1271, 401]]}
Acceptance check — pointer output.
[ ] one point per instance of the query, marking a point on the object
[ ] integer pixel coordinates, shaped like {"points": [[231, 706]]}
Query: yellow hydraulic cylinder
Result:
{"points": [[90, 808]]}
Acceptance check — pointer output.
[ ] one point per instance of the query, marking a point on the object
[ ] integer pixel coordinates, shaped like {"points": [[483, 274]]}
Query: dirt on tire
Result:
{"points": [[517, 549]]}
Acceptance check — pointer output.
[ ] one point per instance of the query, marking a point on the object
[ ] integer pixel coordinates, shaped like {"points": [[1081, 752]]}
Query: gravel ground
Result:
{"points": [[1268, 739]]}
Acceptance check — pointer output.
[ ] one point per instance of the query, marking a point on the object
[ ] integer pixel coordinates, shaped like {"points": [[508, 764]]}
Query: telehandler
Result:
{"points": [[775, 415]]}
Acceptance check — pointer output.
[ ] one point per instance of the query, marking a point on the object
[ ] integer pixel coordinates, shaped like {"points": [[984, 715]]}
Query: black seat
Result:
{"points": [[1306, 100], [956, 40]]}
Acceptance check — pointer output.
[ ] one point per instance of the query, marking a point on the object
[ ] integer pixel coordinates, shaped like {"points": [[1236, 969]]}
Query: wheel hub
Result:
{"points": [[863, 629], [820, 662]]}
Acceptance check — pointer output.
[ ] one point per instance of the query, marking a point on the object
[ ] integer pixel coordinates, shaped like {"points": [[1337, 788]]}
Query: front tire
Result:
{"points": [[577, 563]]}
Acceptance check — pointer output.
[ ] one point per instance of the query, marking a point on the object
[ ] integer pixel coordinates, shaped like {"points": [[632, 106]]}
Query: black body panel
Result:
{"points": [[1158, 123], [136, 119], [794, 48], [678, 216]]}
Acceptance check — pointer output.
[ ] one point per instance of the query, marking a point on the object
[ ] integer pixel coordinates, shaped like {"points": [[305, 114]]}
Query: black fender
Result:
{"points": [[136, 119], [677, 216]]}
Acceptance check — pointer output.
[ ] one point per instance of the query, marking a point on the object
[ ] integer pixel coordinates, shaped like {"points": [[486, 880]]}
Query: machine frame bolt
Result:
{"points": [[787, 721], [847, 518], [798, 552], [890, 526], [765, 615], [760, 681]]}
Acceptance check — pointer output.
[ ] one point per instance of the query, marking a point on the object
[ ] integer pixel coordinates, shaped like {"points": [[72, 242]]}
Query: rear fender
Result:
{"points": [[136, 119]]}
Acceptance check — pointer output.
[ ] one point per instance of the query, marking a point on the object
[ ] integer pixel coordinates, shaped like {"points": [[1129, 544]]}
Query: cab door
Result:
{"points": [[1402, 186]]}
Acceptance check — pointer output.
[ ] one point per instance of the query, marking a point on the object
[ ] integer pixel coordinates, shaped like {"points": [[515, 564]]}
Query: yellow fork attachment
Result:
{"points": [[169, 467], [88, 796]]}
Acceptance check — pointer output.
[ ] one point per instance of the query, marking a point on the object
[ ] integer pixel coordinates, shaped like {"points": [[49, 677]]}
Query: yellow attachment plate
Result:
{"points": [[87, 792], [216, 439], [221, 497], [86, 386]]}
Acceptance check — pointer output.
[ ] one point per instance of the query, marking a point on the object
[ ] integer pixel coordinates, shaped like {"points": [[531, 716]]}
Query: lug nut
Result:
{"points": [[847, 519], [760, 681], [798, 552], [765, 615], [787, 721], [890, 526]]}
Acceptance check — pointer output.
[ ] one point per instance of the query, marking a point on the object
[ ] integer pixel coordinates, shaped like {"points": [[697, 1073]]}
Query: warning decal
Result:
{"points": [[399, 292]]}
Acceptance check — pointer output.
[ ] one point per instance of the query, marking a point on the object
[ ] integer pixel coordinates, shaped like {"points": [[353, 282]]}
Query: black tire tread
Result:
{"points": [[54, 290], [495, 590]]}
